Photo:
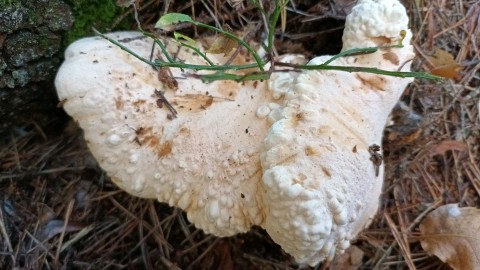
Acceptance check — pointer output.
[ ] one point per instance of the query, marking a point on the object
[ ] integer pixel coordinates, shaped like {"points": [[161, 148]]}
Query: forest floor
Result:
{"points": [[59, 210]]}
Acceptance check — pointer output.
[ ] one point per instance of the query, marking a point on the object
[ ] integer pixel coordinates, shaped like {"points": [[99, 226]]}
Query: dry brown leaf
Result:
{"points": [[223, 44], [350, 260], [165, 76], [444, 64], [45, 214], [406, 126], [453, 235]]}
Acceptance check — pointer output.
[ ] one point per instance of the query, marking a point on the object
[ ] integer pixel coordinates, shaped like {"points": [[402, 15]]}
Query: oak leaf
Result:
{"points": [[452, 234], [444, 64]]}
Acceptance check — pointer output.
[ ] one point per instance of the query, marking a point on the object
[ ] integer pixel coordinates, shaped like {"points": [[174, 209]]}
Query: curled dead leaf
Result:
{"points": [[452, 234], [444, 64], [165, 76], [223, 44], [45, 214], [350, 260], [405, 125]]}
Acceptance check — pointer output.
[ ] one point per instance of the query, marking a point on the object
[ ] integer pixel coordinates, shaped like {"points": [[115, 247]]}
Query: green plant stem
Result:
{"points": [[257, 58], [265, 74], [355, 51], [204, 56], [402, 74], [160, 44], [121, 46], [159, 63], [351, 52], [273, 24], [365, 50]]}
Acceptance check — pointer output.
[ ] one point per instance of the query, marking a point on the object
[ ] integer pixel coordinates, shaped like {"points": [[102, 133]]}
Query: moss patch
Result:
{"points": [[92, 13]]}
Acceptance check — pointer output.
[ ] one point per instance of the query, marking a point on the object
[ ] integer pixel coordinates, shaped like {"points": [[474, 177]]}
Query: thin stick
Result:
{"points": [[5, 236], [165, 101], [62, 235]]}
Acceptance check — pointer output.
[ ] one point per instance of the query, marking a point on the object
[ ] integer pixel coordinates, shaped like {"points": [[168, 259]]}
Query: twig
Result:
{"points": [[200, 257], [5, 236], [165, 101], [62, 235]]}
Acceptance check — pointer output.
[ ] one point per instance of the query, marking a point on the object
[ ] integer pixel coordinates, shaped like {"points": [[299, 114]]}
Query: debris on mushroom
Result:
{"points": [[290, 155], [451, 234]]}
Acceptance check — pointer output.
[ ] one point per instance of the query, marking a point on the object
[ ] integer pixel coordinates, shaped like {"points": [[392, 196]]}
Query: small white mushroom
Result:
{"points": [[292, 155]]}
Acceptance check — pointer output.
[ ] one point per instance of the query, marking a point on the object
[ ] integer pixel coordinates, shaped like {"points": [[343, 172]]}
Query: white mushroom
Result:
{"points": [[205, 160], [322, 187], [292, 155]]}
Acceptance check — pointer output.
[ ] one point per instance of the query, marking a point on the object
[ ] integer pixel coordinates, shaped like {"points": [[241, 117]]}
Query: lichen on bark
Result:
{"points": [[31, 34]]}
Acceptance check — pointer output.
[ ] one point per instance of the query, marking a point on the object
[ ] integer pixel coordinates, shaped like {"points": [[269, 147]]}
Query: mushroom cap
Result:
{"points": [[371, 22], [290, 155], [205, 160]]}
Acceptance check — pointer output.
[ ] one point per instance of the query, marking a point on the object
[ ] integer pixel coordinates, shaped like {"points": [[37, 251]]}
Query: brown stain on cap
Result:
{"points": [[391, 57], [119, 103], [146, 138], [326, 172], [164, 149], [375, 82]]}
